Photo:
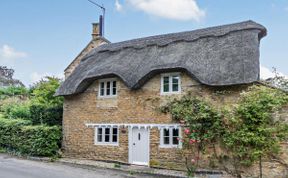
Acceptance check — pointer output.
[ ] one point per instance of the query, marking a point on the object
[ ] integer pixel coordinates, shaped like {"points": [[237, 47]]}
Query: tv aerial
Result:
{"points": [[101, 17]]}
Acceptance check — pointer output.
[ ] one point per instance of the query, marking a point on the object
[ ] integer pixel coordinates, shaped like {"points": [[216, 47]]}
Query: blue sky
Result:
{"points": [[40, 38]]}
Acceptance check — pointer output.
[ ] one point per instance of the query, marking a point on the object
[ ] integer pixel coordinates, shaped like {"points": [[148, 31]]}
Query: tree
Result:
{"points": [[45, 107], [278, 81]]}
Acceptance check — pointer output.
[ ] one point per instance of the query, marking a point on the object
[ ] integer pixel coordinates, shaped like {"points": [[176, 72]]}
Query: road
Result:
{"points": [[11, 167]]}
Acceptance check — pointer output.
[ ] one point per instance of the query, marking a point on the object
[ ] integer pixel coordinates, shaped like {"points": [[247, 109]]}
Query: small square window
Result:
{"points": [[170, 83], [107, 88], [170, 137]]}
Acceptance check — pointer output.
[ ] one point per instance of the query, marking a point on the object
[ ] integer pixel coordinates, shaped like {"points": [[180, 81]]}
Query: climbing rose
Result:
{"points": [[191, 141], [187, 131]]}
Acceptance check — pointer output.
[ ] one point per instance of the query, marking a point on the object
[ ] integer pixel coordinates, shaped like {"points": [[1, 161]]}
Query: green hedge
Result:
{"points": [[18, 135]]}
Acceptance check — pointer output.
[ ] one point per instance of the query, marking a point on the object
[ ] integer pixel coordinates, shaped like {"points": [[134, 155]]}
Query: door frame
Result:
{"points": [[130, 144]]}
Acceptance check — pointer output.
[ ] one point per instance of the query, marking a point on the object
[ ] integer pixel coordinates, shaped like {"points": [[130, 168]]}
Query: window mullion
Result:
{"points": [[111, 88], [103, 134], [105, 88], [161, 137], [110, 136], [170, 83]]}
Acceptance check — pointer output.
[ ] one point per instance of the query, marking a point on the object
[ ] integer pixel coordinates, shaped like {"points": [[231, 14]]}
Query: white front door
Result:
{"points": [[139, 146]]}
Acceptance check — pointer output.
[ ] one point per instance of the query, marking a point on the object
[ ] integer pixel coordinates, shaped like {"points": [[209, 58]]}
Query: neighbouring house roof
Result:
{"points": [[215, 56]]}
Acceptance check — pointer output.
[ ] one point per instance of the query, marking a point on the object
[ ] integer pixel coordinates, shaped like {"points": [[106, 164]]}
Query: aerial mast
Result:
{"points": [[101, 17]]}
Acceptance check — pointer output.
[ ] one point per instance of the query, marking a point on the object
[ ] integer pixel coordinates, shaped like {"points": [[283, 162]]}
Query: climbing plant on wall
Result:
{"points": [[249, 133]]}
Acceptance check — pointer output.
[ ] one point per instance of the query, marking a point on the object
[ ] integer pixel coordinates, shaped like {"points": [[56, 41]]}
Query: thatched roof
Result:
{"points": [[216, 56]]}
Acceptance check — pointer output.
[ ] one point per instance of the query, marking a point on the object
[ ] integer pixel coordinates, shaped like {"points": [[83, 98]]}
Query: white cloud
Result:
{"points": [[170, 9], [266, 73], [36, 77], [7, 52], [118, 6]]}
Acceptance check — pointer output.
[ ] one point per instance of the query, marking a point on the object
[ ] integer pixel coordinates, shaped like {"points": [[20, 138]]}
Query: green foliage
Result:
{"points": [[43, 92], [45, 108], [13, 91], [20, 136], [253, 132], [203, 121], [203, 125], [42, 108], [42, 114], [248, 132], [14, 110]]}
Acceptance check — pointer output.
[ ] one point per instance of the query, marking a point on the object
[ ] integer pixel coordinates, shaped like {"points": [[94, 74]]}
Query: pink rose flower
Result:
{"points": [[191, 141], [187, 131]]}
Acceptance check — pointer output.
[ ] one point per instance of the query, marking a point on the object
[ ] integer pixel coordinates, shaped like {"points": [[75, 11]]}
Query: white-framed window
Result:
{"points": [[170, 83], [107, 88], [170, 137], [106, 136]]}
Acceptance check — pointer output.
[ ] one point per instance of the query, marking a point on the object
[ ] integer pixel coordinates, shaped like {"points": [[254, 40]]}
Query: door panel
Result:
{"points": [[140, 146]]}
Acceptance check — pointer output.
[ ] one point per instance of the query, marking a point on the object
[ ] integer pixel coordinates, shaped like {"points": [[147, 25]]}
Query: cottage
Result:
{"points": [[112, 92]]}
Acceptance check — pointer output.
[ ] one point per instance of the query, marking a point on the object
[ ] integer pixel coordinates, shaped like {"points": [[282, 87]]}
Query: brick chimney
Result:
{"points": [[95, 30]]}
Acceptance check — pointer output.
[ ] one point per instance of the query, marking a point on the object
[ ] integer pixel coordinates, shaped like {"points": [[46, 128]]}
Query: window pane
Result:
{"points": [[166, 132], [165, 84], [175, 132], [166, 140], [175, 79], [175, 141], [114, 88], [107, 134], [99, 135], [99, 138], [115, 131], [175, 83], [107, 138], [108, 88], [99, 131], [102, 89], [107, 131], [114, 138], [175, 87]]}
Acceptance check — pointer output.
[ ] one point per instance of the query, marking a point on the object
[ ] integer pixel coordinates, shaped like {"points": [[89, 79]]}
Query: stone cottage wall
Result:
{"points": [[138, 106], [141, 106]]}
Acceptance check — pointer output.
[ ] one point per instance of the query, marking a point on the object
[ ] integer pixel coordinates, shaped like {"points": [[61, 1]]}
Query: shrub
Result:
{"points": [[18, 135], [14, 110], [50, 115], [13, 91], [45, 107]]}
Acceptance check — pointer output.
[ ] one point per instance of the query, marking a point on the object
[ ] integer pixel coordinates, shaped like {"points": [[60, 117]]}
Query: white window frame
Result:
{"points": [[103, 136], [170, 145], [170, 75], [111, 80]]}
